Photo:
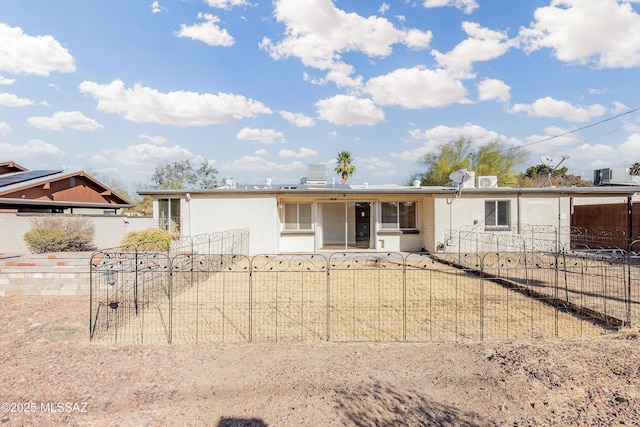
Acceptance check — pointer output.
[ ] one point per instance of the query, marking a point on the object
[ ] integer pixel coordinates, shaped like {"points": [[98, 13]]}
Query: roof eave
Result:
{"points": [[58, 203]]}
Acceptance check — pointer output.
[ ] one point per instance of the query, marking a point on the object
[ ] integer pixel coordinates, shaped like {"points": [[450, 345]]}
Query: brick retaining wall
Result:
{"points": [[47, 274]]}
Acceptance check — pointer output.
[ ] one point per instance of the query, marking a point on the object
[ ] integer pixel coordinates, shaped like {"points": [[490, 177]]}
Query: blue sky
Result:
{"points": [[261, 89]]}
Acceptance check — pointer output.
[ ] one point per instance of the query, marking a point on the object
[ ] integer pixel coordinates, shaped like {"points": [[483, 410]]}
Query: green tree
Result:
{"points": [[207, 176], [635, 169], [492, 159], [495, 159], [181, 175], [143, 206], [344, 166], [449, 158], [536, 175]]}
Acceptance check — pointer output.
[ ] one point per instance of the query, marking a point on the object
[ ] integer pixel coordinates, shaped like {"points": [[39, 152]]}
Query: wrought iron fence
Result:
{"points": [[132, 289], [199, 297], [524, 238]]}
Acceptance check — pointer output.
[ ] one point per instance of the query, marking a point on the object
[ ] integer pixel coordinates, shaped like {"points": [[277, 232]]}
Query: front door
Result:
{"points": [[363, 225]]}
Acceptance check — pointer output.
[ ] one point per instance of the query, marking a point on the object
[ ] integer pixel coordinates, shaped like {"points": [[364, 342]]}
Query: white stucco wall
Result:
{"points": [[468, 211], [108, 232], [259, 214], [297, 242]]}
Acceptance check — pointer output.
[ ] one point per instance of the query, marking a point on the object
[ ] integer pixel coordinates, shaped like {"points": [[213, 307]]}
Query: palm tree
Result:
{"points": [[344, 166], [635, 169]]}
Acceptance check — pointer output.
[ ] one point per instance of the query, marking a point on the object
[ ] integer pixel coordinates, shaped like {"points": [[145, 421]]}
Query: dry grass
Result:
{"points": [[377, 300]]}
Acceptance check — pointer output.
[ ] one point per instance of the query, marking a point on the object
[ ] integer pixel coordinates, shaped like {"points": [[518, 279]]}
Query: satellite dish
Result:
{"points": [[546, 160], [459, 177]]}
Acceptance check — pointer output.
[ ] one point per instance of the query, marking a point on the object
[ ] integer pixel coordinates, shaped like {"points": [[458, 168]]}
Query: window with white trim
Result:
{"points": [[398, 215], [169, 214], [297, 216], [497, 213]]}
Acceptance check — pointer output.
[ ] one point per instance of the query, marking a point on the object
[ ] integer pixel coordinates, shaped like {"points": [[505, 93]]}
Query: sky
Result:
{"points": [[261, 89]]}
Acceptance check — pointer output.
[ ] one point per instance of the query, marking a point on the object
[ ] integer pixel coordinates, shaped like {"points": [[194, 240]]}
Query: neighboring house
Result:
{"points": [[26, 194], [315, 215], [56, 191]]}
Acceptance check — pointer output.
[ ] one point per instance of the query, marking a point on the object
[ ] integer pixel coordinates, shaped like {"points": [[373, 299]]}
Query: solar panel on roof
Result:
{"points": [[15, 178]]}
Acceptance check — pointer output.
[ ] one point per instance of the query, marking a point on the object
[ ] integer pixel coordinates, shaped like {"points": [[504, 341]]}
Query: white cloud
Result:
{"points": [[226, 4], [258, 164], [593, 91], [261, 152], [298, 119], [349, 110], [319, 33], [433, 138], [4, 128], [377, 166], [65, 119], [156, 8], [157, 140], [483, 44], [597, 152], [597, 156], [416, 88], [603, 32], [468, 6], [302, 153], [11, 100], [631, 148], [6, 81], [549, 107], [99, 159], [34, 150], [384, 8], [263, 136], [39, 55], [207, 32], [551, 143], [494, 89], [145, 105], [619, 107], [149, 154]]}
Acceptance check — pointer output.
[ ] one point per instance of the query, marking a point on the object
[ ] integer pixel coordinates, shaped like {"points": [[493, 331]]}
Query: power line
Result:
{"points": [[578, 129]]}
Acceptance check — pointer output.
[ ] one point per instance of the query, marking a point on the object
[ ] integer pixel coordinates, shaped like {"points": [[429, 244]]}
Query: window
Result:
{"points": [[398, 215], [169, 214], [496, 213], [297, 216]]}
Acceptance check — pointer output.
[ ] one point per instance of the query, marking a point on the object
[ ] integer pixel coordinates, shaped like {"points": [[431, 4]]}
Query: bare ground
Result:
{"points": [[50, 374]]}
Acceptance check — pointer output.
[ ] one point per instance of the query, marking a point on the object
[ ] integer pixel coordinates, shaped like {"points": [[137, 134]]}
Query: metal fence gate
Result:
{"points": [[196, 297]]}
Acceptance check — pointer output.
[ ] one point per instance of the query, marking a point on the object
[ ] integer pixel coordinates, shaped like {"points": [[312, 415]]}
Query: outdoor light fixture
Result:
{"points": [[111, 276]]}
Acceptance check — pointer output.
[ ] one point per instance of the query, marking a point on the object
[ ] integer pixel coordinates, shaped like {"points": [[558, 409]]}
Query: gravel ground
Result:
{"points": [[50, 374]]}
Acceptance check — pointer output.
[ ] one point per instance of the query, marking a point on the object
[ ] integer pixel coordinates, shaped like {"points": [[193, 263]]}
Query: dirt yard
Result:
{"points": [[50, 374]]}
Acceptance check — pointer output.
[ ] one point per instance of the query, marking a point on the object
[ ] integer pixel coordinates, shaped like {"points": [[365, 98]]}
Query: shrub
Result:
{"points": [[41, 240], [152, 239], [60, 234]]}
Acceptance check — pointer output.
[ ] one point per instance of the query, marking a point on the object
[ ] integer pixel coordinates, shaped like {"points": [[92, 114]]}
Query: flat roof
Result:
{"points": [[397, 189]]}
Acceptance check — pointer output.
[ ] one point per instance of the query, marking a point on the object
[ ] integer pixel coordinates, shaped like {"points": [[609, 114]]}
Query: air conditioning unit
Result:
{"points": [[471, 183], [487, 182], [317, 174]]}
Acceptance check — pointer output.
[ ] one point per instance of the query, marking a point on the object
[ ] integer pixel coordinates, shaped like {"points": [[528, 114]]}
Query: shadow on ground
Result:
{"points": [[241, 422], [385, 405]]}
